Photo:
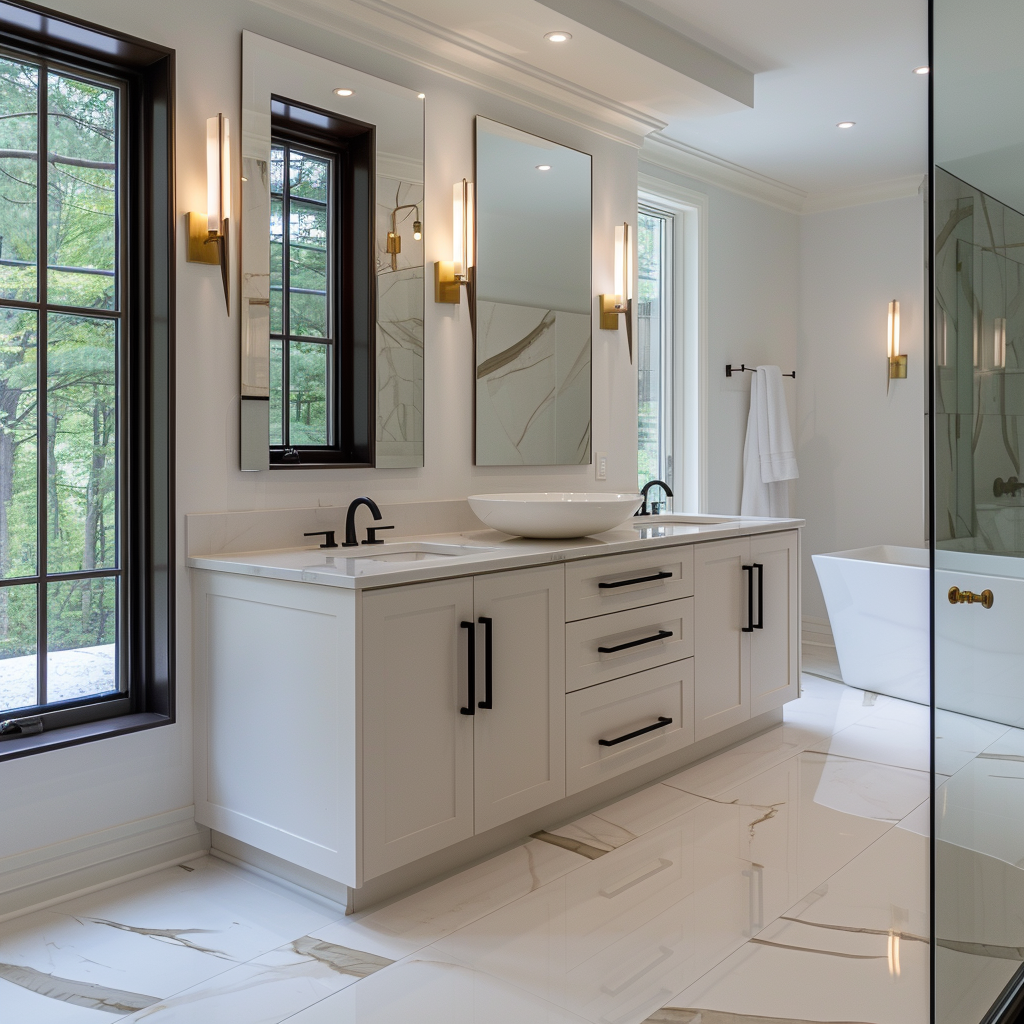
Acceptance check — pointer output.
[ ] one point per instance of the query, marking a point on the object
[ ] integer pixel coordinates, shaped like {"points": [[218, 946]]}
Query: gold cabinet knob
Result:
{"points": [[957, 596]]}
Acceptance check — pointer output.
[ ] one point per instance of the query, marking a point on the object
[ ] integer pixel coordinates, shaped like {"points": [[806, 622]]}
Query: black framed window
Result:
{"points": [[86, 328], [322, 299]]}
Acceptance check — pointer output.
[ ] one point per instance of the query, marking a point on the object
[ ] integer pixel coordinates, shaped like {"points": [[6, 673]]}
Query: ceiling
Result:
{"points": [[756, 84], [816, 63]]}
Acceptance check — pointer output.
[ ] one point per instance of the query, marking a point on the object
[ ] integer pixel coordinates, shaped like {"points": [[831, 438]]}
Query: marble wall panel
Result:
{"points": [[533, 386]]}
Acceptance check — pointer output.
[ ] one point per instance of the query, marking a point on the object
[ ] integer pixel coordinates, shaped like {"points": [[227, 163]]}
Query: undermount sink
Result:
{"points": [[396, 551], [554, 514], [671, 518]]}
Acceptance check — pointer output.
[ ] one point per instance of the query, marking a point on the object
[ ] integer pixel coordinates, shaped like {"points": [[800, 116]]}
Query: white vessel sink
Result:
{"points": [[554, 514]]}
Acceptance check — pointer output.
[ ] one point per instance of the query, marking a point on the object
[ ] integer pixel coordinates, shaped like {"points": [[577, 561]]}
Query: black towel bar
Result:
{"points": [[743, 368]]}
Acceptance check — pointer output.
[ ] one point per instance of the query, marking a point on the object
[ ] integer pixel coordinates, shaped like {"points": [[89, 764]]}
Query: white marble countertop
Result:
{"points": [[474, 552]]}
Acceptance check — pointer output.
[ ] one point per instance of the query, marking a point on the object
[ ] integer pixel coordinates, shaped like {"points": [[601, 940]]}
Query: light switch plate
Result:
{"points": [[601, 465]]}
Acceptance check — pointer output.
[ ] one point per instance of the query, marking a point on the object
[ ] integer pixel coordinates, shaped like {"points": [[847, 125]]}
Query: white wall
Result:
{"points": [[861, 451], [113, 787], [753, 290]]}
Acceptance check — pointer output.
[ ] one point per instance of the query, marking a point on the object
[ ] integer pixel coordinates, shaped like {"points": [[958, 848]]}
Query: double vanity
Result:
{"points": [[361, 711]]}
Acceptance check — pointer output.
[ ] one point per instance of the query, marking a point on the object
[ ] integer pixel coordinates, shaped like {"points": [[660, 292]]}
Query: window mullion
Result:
{"points": [[286, 316], [42, 395]]}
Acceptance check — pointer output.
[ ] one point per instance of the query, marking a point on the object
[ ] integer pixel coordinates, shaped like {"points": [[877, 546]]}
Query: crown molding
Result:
{"points": [[859, 195], [672, 155], [392, 30], [669, 154]]}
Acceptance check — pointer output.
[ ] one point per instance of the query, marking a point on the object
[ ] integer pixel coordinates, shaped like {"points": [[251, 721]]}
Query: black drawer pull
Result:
{"points": [[662, 633], [749, 627], [639, 579], [488, 702], [471, 665], [659, 724]]}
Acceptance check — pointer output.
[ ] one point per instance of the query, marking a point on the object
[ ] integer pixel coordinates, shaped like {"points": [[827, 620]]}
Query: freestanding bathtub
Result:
{"points": [[877, 600]]}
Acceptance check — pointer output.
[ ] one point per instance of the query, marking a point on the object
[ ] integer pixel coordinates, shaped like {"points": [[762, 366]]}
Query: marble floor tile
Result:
{"points": [[429, 990], [645, 811], [410, 923], [959, 739], [129, 946], [269, 988], [966, 986], [897, 733], [596, 833], [827, 706]]}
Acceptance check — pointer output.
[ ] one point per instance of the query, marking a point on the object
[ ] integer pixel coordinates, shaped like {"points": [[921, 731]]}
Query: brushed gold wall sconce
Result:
{"points": [[393, 245], [897, 363], [450, 276], [622, 301], [208, 233], [999, 342]]}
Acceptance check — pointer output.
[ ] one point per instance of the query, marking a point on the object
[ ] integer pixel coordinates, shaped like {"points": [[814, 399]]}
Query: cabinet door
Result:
{"points": [[520, 740], [721, 648], [417, 747], [775, 648]]}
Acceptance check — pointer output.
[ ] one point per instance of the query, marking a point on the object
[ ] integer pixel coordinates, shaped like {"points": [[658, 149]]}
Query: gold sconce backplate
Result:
{"points": [[447, 287], [611, 307], [201, 248], [897, 368]]}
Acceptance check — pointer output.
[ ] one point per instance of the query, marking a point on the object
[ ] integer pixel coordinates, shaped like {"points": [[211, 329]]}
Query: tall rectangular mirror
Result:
{"points": [[533, 300], [332, 264]]}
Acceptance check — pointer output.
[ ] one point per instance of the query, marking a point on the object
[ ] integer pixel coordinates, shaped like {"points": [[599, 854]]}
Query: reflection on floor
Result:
{"points": [[783, 881]]}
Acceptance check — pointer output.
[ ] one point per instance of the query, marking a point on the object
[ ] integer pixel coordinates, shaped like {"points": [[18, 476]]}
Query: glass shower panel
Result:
{"points": [[978, 670]]}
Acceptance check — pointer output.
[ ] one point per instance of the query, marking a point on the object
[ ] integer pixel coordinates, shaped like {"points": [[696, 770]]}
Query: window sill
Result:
{"points": [[72, 735]]}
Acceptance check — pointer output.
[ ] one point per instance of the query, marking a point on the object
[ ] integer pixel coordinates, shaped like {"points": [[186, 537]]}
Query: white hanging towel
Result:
{"points": [[769, 459]]}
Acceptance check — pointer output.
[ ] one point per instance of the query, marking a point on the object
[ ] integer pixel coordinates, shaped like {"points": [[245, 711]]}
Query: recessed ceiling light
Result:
{"points": [[342, 92], [421, 95], [846, 124], [558, 37], [923, 70], [543, 167]]}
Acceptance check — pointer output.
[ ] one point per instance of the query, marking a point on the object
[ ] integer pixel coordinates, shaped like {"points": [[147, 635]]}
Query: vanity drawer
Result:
{"points": [[596, 586], [623, 706], [632, 641]]}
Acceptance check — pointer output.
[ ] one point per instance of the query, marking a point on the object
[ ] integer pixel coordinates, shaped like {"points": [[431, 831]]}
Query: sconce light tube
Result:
{"points": [[894, 328], [999, 342], [897, 362], [449, 276], [218, 173], [622, 281], [941, 336]]}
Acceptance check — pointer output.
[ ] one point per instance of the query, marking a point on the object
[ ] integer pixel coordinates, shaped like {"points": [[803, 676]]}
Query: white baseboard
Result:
{"points": [[42, 877]]}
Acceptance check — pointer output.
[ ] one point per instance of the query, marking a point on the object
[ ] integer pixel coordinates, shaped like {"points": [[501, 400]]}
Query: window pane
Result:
{"points": [[81, 442], [17, 647], [276, 264], [276, 396], [308, 176], [308, 374], [19, 104], [651, 285], [81, 192], [277, 170], [81, 630], [18, 453], [307, 269]]}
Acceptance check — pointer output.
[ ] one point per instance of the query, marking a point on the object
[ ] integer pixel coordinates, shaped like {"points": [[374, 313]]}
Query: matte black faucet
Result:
{"points": [[642, 511], [350, 523]]}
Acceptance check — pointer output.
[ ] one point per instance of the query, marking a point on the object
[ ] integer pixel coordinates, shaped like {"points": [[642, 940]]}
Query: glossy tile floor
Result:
{"points": [[784, 880]]}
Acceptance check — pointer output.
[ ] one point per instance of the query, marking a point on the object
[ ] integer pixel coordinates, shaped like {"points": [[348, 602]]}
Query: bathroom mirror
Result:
{"points": [[533, 300], [331, 264]]}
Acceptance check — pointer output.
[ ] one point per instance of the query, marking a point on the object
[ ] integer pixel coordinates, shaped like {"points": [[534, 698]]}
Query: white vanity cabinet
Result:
{"points": [[747, 629], [353, 730], [454, 746]]}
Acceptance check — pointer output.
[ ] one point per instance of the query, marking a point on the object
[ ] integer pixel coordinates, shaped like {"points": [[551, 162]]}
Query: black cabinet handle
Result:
{"points": [[487, 703], [659, 724], [662, 633], [760, 596], [471, 709], [749, 628], [639, 579]]}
